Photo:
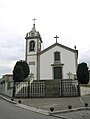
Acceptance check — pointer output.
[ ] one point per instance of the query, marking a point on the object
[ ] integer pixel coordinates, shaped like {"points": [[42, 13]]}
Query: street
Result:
{"points": [[10, 111]]}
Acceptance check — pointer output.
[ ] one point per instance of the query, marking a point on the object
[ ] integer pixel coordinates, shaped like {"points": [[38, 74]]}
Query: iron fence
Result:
{"points": [[37, 89], [27, 90], [69, 87]]}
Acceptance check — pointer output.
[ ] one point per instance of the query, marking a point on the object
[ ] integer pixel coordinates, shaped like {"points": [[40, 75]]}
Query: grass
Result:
{"points": [[85, 85]]}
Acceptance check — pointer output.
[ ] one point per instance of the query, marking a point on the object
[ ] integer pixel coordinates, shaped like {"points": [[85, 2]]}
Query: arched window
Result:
{"points": [[31, 45]]}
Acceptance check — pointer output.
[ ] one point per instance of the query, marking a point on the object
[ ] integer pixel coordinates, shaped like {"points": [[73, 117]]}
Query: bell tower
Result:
{"points": [[33, 47]]}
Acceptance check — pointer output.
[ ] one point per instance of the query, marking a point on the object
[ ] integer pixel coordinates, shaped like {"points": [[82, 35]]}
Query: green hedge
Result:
{"points": [[85, 85]]}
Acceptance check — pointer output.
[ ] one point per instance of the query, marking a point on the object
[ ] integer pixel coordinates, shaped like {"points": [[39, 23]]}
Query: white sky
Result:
{"points": [[69, 19]]}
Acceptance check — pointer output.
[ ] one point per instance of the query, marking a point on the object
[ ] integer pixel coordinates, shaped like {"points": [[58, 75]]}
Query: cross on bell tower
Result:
{"points": [[56, 38], [34, 20]]}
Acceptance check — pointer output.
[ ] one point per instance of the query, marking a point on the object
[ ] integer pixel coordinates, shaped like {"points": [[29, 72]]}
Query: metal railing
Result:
{"points": [[66, 88]]}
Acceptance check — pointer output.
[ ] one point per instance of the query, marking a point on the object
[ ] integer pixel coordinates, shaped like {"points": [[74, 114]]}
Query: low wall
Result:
{"points": [[84, 90], [6, 88]]}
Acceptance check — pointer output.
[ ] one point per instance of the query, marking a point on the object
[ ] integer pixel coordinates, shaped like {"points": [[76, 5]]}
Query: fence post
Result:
{"points": [[28, 88], [78, 89], [61, 87], [13, 95], [45, 88]]}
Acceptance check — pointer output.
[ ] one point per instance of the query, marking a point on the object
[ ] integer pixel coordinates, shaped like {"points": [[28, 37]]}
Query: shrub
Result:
{"points": [[20, 71], [82, 73]]}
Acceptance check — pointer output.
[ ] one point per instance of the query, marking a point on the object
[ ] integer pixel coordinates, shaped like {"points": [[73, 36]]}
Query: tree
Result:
{"points": [[21, 71], [82, 73], [18, 74]]}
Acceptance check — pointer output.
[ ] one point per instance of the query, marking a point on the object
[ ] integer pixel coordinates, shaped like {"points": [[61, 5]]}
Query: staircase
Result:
{"points": [[19, 86], [52, 88]]}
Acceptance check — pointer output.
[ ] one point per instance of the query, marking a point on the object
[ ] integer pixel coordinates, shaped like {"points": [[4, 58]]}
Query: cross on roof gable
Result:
{"points": [[56, 38]]}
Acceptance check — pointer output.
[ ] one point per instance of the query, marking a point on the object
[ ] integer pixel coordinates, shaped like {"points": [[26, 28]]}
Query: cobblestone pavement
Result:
{"points": [[57, 103], [84, 114]]}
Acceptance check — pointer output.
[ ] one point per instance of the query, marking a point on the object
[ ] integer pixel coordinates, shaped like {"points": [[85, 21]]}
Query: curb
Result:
{"points": [[41, 111], [44, 112], [14, 102], [70, 110], [55, 114]]}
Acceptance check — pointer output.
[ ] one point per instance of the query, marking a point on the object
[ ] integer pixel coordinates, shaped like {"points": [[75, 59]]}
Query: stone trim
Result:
{"points": [[31, 63], [57, 65], [31, 54], [60, 45], [34, 37], [26, 51]]}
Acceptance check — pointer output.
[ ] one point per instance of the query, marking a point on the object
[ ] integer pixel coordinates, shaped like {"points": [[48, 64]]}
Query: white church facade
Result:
{"points": [[47, 68], [53, 63]]}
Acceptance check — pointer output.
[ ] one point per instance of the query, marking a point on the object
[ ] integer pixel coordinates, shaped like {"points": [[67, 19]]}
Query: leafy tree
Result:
{"points": [[18, 74], [82, 73], [21, 71]]}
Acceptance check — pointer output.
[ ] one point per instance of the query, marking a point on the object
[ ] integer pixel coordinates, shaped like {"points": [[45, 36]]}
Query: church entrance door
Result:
{"points": [[57, 72]]}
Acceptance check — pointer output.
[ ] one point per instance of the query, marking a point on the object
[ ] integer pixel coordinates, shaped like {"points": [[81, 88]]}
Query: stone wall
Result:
{"points": [[84, 90]]}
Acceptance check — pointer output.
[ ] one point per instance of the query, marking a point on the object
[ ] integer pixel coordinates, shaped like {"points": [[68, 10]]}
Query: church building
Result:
{"points": [[53, 63]]}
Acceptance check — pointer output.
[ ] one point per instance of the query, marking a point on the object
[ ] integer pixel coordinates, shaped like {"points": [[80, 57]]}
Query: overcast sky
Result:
{"points": [[69, 19]]}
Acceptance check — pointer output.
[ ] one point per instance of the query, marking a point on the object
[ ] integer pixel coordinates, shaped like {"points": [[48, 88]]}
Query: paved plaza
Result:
{"points": [[60, 104], [83, 114], [57, 103]]}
